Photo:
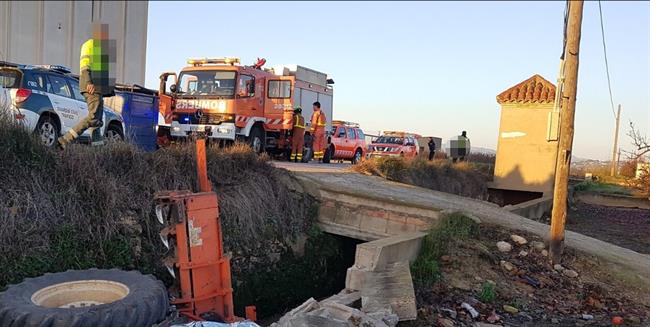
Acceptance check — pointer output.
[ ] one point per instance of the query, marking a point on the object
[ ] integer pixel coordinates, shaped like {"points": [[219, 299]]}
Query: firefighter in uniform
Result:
{"points": [[297, 135], [318, 122], [94, 84]]}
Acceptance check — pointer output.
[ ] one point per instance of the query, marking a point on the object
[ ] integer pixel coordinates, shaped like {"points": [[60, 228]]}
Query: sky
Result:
{"points": [[432, 68]]}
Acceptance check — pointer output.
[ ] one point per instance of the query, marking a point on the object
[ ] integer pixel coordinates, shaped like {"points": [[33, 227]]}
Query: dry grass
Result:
{"points": [[464, 178], [93, 207]]}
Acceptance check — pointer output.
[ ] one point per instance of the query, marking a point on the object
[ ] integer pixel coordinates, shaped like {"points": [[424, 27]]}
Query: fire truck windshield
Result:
{"points": [[206, 83], [390, 140]]}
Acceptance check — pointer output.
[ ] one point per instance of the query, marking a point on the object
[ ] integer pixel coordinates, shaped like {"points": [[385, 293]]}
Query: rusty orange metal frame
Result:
{"points": [[203, 269]]}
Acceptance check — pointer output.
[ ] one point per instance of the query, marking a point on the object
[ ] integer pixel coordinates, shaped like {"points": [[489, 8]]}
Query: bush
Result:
{"points": [[452, 229], [488, 293], [464, 178], [93, 206], [628, 169], [604, 188]]}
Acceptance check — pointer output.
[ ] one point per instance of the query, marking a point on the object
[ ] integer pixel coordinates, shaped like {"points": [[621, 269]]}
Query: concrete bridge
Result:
{"points": [[370, 208], [394, 218]]}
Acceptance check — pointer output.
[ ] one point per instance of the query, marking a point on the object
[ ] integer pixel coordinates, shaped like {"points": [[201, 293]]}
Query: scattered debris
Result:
{"points": [[494, 317], [334, 314], [442, 322], [570, 273], [545, 253], [523, 253], [218, 324], [470, 309], [518, 239], [535, 294], [510, 309], [558, 267], [617, 320], [586, 317], [507, 265], [451, 313], [531, 281], [504, 246]]}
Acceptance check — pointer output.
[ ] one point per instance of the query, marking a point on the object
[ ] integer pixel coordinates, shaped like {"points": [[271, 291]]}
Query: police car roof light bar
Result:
{"points": [[58, 68]]}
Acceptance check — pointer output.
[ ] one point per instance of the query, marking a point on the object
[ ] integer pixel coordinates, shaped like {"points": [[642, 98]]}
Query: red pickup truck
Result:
{"points": [[347, 142], [395, 144]]}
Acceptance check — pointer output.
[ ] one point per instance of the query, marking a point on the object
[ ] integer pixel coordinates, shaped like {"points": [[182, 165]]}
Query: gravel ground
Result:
{"points": [[528, 290]]}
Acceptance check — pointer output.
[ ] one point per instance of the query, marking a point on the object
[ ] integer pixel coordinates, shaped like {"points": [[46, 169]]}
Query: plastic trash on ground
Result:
{"points": [[218, 324]]}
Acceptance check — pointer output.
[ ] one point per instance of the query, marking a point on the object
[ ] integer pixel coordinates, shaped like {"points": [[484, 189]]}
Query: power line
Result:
{"points": [[609, 83]]}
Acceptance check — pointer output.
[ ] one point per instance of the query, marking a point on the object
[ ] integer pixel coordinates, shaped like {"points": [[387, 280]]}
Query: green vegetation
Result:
{"points": [[488, 293], [452, 229], [319, 273], [603, 188]]}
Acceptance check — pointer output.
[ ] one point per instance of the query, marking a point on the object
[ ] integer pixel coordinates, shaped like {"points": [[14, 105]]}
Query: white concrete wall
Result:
{"points": [[52, 32]]}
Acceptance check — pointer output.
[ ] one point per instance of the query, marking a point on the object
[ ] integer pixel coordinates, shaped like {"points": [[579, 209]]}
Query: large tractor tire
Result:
{"points": [[102, 298]]}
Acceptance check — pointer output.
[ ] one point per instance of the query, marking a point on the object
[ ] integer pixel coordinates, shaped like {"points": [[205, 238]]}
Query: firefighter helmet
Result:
{"points": [[297, 110]]}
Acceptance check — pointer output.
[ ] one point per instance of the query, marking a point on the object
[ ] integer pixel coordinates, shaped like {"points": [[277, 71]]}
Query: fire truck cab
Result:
{"points": [[228, 101]]}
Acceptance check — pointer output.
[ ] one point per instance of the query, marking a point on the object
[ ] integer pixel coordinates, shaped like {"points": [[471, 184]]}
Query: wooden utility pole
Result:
{"points": [[614, 163], [567, 117]]}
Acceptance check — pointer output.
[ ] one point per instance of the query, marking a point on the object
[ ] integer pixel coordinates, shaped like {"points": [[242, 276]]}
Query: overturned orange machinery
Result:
{"points": [[192, 232]]}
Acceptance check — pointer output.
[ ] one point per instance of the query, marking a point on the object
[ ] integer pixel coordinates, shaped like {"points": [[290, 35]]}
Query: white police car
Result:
{"points": [[46, 100]]}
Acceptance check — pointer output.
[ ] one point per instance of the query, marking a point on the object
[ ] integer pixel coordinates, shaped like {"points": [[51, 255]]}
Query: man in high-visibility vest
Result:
{"points": [[94, 83], [297, 135], [318, 122]]}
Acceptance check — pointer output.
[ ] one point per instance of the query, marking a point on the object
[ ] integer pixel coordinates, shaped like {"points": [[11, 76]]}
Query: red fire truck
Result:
{"points": [[228, 101]]}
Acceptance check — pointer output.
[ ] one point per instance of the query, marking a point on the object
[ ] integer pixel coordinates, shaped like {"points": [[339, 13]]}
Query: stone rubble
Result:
{"points": [[518, 239], [504, 246], [332, 312]]}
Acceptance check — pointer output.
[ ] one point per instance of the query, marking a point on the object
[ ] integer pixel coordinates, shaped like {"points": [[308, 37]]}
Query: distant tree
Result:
{"points": [[641, 149], [628, 168], [640, 142]]}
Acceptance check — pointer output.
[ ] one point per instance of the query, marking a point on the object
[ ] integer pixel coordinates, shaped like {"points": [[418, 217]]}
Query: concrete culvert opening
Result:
{"points": [[79, 294]]}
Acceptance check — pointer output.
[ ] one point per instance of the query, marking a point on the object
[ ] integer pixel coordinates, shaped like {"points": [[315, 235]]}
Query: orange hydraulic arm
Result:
{"points": [[203, 269]]}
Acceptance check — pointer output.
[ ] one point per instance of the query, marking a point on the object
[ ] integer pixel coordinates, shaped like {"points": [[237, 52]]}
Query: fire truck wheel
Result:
{"points": [[257, 139], [93, 297], [357, 157]]}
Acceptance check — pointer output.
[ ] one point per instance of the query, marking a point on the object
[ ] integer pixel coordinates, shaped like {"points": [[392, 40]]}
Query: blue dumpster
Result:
{"points": [[139, 109]]}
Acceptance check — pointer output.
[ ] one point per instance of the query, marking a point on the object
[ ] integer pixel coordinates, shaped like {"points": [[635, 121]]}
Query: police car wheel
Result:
{"points": [[48, 130], [114, 133]]}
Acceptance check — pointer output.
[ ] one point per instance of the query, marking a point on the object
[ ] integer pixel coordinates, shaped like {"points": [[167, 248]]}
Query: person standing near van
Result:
{"points": [[297, 135], [432, 148], [318, 122], [94, 83]]}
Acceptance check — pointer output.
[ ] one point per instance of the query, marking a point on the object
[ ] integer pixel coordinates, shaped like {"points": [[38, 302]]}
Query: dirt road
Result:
{"points": [[313, 167]]}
